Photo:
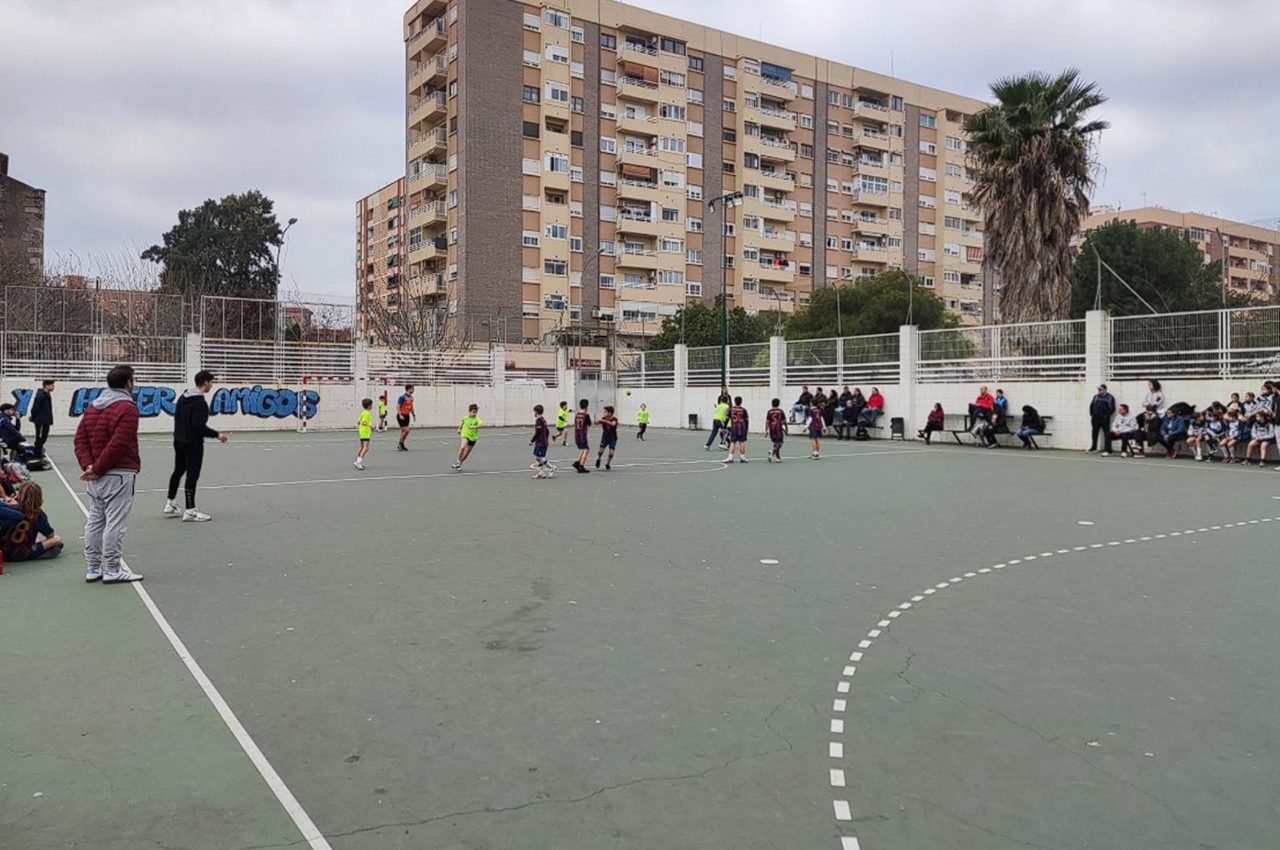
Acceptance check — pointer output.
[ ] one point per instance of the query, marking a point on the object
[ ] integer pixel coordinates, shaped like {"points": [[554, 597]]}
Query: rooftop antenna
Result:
{"points": [[891, 73]]}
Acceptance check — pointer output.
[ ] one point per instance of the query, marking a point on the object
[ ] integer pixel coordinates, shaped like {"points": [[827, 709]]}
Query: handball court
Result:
{"points": [[894, 647]]}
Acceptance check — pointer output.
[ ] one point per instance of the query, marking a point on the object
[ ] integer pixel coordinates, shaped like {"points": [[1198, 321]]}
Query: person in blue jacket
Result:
{"points": [[1173, 430]]}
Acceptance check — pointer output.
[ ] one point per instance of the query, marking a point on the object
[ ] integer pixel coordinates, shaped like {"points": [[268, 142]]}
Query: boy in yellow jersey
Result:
{"points": [[365, 428], [562, 424], [719, 423], [642, 419], [382, 412], [469, 430]]}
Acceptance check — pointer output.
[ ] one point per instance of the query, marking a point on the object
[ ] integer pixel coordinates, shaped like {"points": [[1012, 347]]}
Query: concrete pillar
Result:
{"points": [[498, 356], [1097, 348], [191, 356], [777, 366], [360, 369], [681, 366], [908, 356]]}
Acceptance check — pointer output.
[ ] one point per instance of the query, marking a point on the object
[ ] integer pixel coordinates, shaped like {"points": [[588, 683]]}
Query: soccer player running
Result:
{"points": [[541, 437], [815, 431], [562, 424], [581, 435], [608, 436], [405, 415], [719, 423], [775, 428], [738, 430], [382, 411], [469, 430], [190, 428], [642, 419], [364, 426]]}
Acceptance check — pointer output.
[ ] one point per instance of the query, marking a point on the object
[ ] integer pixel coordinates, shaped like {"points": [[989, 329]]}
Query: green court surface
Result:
{"points": [[894, 647]]}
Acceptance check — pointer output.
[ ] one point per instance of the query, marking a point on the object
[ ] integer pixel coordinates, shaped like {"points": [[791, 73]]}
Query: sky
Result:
{"points": [[129, 110]]}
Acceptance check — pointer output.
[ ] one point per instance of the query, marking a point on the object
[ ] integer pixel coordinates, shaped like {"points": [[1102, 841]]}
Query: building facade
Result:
{"points": [[562, 156], [21, 226], [381, 254], [1250, 252]]}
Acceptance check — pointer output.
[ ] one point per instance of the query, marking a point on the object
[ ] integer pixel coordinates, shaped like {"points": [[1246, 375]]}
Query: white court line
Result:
{"points": [[310, 833]]}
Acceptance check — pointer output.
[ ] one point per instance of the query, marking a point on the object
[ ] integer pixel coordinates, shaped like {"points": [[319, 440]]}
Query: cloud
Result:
{"points": [[129, 116]]}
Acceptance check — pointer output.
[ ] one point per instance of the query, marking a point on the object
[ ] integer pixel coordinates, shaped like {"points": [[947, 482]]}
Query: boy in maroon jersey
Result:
{"points": [[539, 442], [775, 428], [738, 430], [608, 436], [581, 435]]}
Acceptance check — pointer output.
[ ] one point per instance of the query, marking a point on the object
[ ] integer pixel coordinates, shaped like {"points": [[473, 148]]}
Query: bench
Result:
{"points": [[851, 428], [1011, 432]]}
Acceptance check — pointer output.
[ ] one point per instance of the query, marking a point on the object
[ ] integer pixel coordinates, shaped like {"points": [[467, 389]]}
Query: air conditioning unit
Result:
{"points": [[595, 313]]}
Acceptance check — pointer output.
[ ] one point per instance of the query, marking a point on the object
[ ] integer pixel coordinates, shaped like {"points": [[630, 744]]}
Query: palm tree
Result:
{"points": [[1033, 157]]}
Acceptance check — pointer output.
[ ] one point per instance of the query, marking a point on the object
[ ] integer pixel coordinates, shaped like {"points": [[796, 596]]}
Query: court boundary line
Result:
{"points": [[310, 832], [835, 747]]}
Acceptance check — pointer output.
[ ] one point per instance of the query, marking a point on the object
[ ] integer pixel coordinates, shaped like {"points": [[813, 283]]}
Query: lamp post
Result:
{"points": [[279, 247], [728, 199]]}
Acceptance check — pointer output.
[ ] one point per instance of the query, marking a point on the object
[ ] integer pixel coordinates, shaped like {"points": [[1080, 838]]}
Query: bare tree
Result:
{"points": [[414, 322]]}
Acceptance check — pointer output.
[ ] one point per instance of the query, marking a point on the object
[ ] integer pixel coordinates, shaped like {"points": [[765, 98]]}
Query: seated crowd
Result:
{"points": [[848, 411], [988, 417], [25, 532]]}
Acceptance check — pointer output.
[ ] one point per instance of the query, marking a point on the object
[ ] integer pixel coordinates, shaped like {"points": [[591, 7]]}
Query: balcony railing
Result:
{"points": [[639, 184], [776, 142], [431, 138], [636, 82], [776, 113], [631, 215], [786, 85], [778, 175], [628, 251], [778, 205], [429, 171], [438, 27], [640, 48], [430, 208]]}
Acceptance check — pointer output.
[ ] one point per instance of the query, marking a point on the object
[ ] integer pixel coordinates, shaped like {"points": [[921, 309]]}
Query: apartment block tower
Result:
{"points": [[562, 154], [1249, 252], [381, 252]]}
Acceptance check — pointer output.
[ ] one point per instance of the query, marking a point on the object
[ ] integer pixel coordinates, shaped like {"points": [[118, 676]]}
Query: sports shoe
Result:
{"points": [[551, 470], [359, 464], [597, 461], [455, 465], [193, 515], [171, 509], [768, 458], [1106, 454], [729, 459], [92, 574], [124, 576], [742, 459]]}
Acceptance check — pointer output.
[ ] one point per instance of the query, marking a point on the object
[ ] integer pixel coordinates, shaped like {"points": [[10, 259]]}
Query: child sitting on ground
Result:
{"points": [[24, 523]]}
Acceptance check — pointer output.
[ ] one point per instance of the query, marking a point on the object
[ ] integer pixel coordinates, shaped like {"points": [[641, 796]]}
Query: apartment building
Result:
{"points": [[1250, 252], [21, 227], [561, 157], [381, 252]]}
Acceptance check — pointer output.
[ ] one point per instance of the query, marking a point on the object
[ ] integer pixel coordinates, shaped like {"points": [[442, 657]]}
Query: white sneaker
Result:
{"points": [[123, 576], [456, 465], [194, 515], [1105, 454], [359, 464], [92, 574], [171, 509]]}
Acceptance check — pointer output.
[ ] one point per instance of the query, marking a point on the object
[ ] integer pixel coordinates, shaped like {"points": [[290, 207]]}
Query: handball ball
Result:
{"points": [[628, 392]]}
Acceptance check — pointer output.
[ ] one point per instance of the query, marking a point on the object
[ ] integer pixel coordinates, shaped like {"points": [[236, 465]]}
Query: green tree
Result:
{"points": [[698, 324], [872, 305], [224, 247], [1163, 266], [1033, 157]]}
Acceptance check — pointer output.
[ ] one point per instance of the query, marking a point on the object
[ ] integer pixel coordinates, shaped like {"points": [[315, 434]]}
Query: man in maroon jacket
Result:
{"points": [[107, 449]]}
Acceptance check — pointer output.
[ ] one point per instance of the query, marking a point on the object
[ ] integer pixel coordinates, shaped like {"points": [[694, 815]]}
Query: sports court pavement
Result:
{"points": [[478, 660]]}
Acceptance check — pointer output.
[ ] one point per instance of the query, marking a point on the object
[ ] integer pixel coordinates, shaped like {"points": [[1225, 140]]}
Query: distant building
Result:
{"points": [[1251, 252], [380, 250], [21, 225]]}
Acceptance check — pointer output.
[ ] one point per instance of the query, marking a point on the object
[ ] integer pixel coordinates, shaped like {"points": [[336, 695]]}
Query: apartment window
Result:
{"points": [[952, 222], [531, 94], [576, 70], [529, 239], [671, 78], [954, 170], [833, 241], [530, 129], [833, 185], [694, 192], [895, 186], [806, 210], [606, 281], [575, 243], [874, 185], [751, 160], [557, 19], [671, 145], [671, 45], [928, 147], [806, 240], [557, 231], [672, 179], [558, 162], [954, 144], [671, 246], [730, 72], [951, 249], [608, 178], [608, 144], [693, 257], [806, 121], [575, 209], [556, 198], [668, 110], [532, 59], [608, 42], [847, 100], [671, 277], [928, 255], [530, 202], [557, 92], [927, 229], [556, 53], [695, 63], [806, 269], [608, 78], [575, 138], [729, 105], [554, 302], [576, 104], [929, 174], [833, 97], [559, 268], [575, 173], [729, 135], [928, 120], [928, 202], [453, 124], [670, 214], [895, 103], [608, 110], [577, 34], [693, 95], [453, 88], [693, 225], [833, 128], [951, 276], [695, 160], [608, 213], [695, 128], [529, 166], [531, 21], [846, 244], [806, 91], [806, 151]]}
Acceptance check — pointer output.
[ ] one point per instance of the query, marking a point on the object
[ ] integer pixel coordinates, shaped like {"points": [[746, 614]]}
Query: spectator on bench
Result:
{"points": [[847, 414], [980, 410], [1149, 421], [1154, 397], [1232, 438], [1173, 430], [932, 423], [1101, 408], [998, 424], [1263, 435], [1000, 406], [801, 407], [1031, 425], [1125, 428], [873, 410]]}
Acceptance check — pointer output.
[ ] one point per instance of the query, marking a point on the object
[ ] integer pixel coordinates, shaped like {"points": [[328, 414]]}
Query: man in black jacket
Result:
{"points": [[190, 428], [41, 415], [1101, 409]]}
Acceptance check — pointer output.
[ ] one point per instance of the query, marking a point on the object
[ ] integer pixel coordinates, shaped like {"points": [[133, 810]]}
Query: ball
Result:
{"points": [[628, 392]]}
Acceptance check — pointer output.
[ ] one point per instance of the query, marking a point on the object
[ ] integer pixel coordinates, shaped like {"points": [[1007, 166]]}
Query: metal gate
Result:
{"points": [[599, 388]]}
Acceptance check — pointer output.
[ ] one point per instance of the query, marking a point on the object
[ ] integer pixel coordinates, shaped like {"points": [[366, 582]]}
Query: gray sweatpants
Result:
{"points": [[110, 502]]}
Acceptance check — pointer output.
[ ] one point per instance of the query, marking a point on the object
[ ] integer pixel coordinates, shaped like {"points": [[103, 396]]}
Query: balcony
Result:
{"points": [[642, 224], [874, 140], [771, 209], [637, 258], [435, 69], [643, 190], [429, 142], [768, 147], [781, 89], [430, 174], [428, 109], [423, 251], [872, 167], [871, 111], [782, 271], [638, 124], [870, 253], [871, 226], [629, 51], [642, 157], [873, 199], [769, 116], [635, 88], [776, 180], [432, 212], [429, 39], [769, 239], [427, 284]]}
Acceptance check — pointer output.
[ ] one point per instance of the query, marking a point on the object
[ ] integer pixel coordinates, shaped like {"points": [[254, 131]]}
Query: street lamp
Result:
{"points": [[728, 199], [279, 246]]}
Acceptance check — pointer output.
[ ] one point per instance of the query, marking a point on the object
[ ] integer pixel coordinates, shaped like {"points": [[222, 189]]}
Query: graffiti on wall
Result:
{"points": [[259, 401]]}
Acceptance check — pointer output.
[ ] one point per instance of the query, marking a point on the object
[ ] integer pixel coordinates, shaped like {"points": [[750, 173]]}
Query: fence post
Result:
{"points": [[908, 354], [680, 365], [360, 364], [498, 375], [777, 366], [191, 356], [1097, 347]]}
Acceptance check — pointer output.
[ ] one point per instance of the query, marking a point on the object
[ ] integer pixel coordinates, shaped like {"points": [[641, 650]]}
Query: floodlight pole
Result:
{"points": [[728, 199]]}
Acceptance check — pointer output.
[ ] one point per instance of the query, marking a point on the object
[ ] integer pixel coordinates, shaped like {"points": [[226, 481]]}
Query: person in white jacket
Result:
{"points": [[1124, 427]]}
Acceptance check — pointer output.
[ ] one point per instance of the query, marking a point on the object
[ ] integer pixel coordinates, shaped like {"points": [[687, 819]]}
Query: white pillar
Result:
{"points": [[777, 366], [1097, 347], [498, 369], [191, 357], [908, 355], [360, 369], [681, 365]]}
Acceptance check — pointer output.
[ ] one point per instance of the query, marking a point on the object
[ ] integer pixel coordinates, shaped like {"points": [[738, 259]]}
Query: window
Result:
{"points": [[695, 63], [927, 229], [575, 173], [558, 162], [575, 243], [608, 213], [608, 42], [557, 231], [556, 53], [695, 128], [806, 151], [954, 170], [671, 78], [895, 186], [668, 144], [670, 214], [695, 160], [693, 95], [671, 45], [895, 213], [676, 113], [671, 246], [833, 97], [606, 246], [577, 34], [668, 277], [833, 241], [531, 94], [672, 179], [530, 129], [557, 92], [833, 128], [872, 184], [729, 105], [606, 281], [608, 178], [453, 88], [928, 120], [529, 239], [608, 144], [929, 174], [557, 19], [530, 202], [928, 147], [695, 192], [751, 66], [951, 249], [806, 91], [693, 257], [576, 70], [730, 72], [576, 104], [575, 138], [806, 121], [951, 276], [529, 166], [693, 225], [833, 185], [608, 78], [558, 268], [554, 302], [954, 144], [729, 135], [532, 59], [928, 202], [806, 210], [531, 21], [951, 222], [607, 110], [895, 103]]}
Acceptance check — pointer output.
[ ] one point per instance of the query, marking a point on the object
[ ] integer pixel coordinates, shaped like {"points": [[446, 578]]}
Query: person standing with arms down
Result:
{"points": [[106, 446], [775, 428], [642, 419], [190, 428], [739, 428], [1101, 408], [42, 415], [404, 416], [582, 435], [382, 411]]}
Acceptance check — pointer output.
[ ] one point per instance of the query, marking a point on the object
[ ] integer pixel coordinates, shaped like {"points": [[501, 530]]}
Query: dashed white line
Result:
{"points": [[837, 777], [842, 810]]}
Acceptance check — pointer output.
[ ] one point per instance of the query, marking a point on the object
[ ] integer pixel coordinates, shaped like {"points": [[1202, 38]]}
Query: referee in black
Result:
{"points": [[190, 428]]}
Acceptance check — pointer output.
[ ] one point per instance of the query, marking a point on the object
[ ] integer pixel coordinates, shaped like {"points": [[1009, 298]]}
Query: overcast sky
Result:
{"points": [[128, 110]]}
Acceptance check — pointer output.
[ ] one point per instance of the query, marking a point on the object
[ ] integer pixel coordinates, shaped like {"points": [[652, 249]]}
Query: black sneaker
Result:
{"points": [[608, 466], [597, 463]]}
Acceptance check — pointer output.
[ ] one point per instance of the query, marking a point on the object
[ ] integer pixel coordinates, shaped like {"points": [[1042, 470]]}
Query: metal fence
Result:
{"points": [[431, 368], [1039, 351], [1215, 344], [255, 340], [844, 360], [749, 365], [704, 366], [643, 369]]}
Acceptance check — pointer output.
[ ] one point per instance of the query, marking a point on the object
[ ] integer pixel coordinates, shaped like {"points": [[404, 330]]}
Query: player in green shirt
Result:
{"points": [[719, 423], [642, 419], [469, 430], [364, 425], [562, 424]]}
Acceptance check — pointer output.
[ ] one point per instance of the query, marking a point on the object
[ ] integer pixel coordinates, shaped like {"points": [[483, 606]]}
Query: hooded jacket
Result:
{"points": [[107, 436], [41, 408], [191, 419], [10, 435]]}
